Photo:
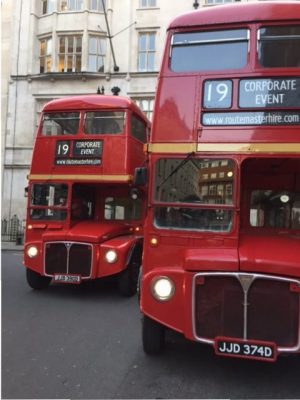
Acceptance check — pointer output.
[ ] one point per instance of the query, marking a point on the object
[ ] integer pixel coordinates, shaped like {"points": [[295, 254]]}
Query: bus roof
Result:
{"points": [[241, 12], [92, 102]]}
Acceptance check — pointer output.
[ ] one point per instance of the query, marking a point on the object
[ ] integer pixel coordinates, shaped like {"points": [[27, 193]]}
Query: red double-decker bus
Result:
{"points": [[221, 261], [85, 217]]}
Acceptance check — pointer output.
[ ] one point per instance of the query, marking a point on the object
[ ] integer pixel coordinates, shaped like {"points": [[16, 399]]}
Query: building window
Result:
{"points": [[71, 5], [47, 6], [219, 1], [97, 5], [146, 105], [97, 51], [69, 55], [45, 55], [147, 3], [146, 51], [39, 106]]}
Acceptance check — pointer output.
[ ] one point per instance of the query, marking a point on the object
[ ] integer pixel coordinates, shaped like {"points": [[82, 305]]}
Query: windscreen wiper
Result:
{"points": [[180, 165]]}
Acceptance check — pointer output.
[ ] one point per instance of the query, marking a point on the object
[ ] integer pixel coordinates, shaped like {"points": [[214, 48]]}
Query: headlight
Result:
{"points": [[162, 288], [32, 251], [111, 256]]}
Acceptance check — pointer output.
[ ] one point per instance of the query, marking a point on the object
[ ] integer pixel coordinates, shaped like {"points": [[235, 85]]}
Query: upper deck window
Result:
{"points": [[63, 123], [209, 51], [104, 122], [278, 46], [138, 129]]}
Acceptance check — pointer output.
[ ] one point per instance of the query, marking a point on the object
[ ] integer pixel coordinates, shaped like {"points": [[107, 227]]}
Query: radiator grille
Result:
{"points": [[271, 312], [68, 258]]}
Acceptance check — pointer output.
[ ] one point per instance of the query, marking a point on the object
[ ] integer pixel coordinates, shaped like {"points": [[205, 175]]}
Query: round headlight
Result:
{"points": [[162, 288], [111, 256], [32, 251]]}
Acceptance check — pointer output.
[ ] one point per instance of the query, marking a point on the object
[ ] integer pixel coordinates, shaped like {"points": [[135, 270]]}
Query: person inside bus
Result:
{"points": [[79, 208]]}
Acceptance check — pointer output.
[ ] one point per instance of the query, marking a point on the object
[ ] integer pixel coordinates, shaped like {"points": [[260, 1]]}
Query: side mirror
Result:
{"points": [[140, 176]]}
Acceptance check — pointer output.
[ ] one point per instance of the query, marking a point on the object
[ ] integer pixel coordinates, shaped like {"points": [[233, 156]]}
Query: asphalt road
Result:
{"points": [[84, 342]]}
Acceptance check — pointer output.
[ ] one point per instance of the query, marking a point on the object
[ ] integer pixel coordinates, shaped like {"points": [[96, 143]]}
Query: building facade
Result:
{"points": [[57, 48]]}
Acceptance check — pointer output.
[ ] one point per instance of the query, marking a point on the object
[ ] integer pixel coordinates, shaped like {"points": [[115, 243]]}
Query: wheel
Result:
{"points": [[37, 281], [153, 336], [128, 279]]}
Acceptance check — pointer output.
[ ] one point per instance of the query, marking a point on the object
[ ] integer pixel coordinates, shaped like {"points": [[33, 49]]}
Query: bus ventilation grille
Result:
{"points": [[68, 258], [272, 309]]}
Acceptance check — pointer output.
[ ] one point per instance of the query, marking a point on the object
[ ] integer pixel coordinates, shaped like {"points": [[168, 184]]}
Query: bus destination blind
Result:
{"points": [[269, 95], [78, 152]]}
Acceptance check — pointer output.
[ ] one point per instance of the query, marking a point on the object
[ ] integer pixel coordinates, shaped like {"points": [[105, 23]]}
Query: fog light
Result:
{"points": [[32, 251], [162, 288], [111, 256]]}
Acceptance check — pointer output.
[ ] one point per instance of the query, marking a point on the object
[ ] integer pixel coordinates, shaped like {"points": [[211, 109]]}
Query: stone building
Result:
{"points": [[56, 48]]}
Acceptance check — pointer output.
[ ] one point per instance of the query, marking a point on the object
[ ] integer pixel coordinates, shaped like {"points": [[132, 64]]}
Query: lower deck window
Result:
{"points": [[119, 208], [194, 193], [48, 201], [215, 220], [275, 209]]}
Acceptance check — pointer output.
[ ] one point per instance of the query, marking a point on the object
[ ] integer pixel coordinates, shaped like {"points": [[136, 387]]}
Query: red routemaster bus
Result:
{"points": [[221, 261], [85, 217]]}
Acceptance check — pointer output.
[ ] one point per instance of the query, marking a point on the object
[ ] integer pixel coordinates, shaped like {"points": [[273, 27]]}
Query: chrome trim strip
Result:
{"points": [[68, 250], [239, 276]]}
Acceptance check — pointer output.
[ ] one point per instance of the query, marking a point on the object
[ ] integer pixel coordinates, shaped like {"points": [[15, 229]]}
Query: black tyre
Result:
{"points": [[153, 336], [37, 281], [128, 279]]}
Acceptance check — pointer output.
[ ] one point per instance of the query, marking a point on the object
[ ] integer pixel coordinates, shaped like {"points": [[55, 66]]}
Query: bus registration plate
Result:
{"points": [[63, 278], [232, 347]]}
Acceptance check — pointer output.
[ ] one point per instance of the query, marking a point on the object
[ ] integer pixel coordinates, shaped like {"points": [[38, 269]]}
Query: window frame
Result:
{"points": [[209, 41], [67, 7], [47, 7], [51, 211], [66, 54], [47, 56], [99, 7], [148, 111], [147, 3], [214, 2], [100, 40], [261, 40], [148, 52]]}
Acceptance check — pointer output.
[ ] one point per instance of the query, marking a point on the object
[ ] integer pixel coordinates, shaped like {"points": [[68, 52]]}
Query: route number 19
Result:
{"points": [[62, 148], [217, 94]]}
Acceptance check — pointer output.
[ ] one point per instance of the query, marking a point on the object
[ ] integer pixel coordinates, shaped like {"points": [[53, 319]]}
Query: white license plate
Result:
{"points": [[265, 351], [63, 278]]}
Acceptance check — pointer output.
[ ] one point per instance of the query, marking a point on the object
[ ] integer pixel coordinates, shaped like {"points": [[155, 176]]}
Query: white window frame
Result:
{"points": [[147, 3], [47, 7], [47, 56], [40, 103], [71, 5], [146, 104], [212, 2], [147, 53], [100, 53], [96, 5], [66, 54]]}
